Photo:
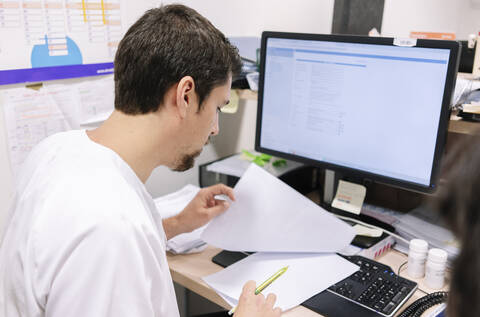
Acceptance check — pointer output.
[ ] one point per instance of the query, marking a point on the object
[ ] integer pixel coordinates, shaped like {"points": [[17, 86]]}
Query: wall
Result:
{"points": [[470, 18], [458, 16]]}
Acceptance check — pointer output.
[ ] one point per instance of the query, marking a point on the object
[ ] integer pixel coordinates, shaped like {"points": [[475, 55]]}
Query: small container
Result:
{"points": [[417, 256], [435, 268]]}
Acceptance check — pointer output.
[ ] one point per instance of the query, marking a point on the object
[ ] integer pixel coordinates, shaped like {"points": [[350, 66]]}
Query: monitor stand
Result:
{"points": [[329, 189]]}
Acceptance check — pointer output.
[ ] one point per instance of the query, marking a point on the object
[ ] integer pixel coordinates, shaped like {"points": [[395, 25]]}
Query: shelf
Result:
{"points": [[247, 94], [457, 125]]}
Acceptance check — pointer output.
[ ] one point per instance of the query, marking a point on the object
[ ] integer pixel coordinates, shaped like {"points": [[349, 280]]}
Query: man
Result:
{"points": [[84, 237]]}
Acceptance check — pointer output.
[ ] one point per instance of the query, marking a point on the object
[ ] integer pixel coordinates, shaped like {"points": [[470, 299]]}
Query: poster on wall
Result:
{"points": [[58, 39]]}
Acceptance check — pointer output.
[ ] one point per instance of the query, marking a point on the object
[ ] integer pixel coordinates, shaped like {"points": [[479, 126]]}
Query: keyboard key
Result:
{"points": [[389, 308], [397, 298]]}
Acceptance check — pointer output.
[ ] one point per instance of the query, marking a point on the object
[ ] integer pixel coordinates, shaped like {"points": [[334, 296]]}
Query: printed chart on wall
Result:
{"points": [[32, 115], [55, 39]]}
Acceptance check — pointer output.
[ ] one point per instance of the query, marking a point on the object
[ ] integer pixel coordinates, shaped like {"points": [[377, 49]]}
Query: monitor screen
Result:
{"points": [[357, 104]]}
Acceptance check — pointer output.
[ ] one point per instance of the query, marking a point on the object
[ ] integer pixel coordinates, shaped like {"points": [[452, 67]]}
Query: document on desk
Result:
{"points": [[270, 216], [172, 204], [307, 275]]}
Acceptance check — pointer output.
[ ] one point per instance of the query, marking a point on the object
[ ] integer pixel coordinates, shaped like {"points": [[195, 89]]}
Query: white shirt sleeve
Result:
{"points": [[110, 270]]}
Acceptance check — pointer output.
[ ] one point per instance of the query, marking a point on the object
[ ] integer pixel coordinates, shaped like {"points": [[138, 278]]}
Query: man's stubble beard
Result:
{"points": [[186, 162]]}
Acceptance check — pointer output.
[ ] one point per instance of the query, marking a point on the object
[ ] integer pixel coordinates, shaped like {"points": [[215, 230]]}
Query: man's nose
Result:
{"points": [[215, 128]]}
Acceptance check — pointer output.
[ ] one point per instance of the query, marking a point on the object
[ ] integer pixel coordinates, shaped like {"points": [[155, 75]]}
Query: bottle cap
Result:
{"points": [[437, 255], [419, 245]]}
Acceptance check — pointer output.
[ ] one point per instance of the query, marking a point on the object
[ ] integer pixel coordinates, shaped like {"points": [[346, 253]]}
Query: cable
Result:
{"points": [[374, 227], [421, 290], [398, 274], [418, 307], [400, 267]]}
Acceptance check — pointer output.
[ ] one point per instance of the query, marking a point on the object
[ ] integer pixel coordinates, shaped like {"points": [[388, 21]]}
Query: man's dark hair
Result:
{"points": [[459, 203], [163, 46]]}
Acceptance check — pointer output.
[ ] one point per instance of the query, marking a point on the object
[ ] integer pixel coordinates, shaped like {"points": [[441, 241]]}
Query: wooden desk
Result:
{"points": [[187, 271]]}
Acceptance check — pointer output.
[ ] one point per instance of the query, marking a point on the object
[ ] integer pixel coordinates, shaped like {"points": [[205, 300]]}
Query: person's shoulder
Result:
{"points": [[103, 206], [99, 189], [56, 140], [44, 153]]}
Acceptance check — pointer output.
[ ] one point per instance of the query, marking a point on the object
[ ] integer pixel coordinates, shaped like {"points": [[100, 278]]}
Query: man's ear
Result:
{"points": [[186, 96]]}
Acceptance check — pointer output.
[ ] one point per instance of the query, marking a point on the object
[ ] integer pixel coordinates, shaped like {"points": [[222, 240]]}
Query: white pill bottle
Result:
{"points": [[417, 255], [435, 268]]}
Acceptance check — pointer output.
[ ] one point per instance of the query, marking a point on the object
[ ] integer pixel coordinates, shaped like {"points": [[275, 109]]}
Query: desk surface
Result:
{"points": [[187, 271]]}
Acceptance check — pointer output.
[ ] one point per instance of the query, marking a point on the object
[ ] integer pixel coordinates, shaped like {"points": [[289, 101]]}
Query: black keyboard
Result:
{"points": [[374, 290]]}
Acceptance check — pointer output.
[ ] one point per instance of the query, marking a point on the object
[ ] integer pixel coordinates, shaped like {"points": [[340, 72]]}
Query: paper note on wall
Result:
{"points": [[96, 100], [67, 99], [30, 116]]}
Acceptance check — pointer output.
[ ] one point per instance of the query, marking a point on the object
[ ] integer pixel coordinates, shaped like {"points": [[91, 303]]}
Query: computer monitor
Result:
{"points": [[376, 108]]}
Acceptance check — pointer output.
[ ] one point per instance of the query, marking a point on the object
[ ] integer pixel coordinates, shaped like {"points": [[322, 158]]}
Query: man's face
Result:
{"points": [[201, 125]]}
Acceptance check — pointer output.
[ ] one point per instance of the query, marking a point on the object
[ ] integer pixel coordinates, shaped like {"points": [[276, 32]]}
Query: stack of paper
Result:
{"points": [[287, 229], [421, 223], [172, 204], [307, 275]]}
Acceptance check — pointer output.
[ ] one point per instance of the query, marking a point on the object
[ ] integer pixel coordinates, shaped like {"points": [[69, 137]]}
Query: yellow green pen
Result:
{"points": [[264, 285]]}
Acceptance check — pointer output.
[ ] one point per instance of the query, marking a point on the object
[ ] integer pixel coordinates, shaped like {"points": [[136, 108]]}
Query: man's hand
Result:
{"points": [[251, 305], [203, 208]]}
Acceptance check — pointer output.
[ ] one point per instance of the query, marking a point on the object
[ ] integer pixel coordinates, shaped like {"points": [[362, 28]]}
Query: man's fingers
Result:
{"points": [[219, 208], [249, 287], [221, 189], [260, 299], [271, 298]]}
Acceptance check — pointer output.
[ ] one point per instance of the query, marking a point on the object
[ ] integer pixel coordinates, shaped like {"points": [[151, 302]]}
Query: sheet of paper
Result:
{"points": [[350, 250], [172, 204], [68, 101], [233, 165], [307, 275], [270, 216], [349, 197], [96, 100], [30, 116]]}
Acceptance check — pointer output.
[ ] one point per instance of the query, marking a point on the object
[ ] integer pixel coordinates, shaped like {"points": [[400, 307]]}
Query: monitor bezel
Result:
{"points": [[452, 70]]}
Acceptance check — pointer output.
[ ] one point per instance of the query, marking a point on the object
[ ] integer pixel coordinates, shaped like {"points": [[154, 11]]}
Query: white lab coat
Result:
{"points": [[84, 237]]}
